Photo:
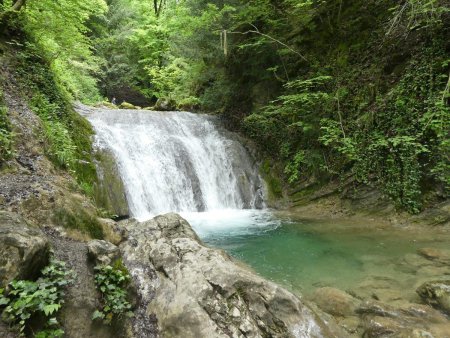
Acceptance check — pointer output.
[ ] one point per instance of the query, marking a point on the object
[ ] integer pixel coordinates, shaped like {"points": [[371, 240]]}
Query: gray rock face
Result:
{"points": [[195, 291], [437, 294], [24, 250], [103, 252]]}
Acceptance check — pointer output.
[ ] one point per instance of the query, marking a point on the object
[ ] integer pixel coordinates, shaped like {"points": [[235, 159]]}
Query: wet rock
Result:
{"points": [[413, 320], [334, 301], [103, 252], [376, 309], [195, 291], [24, 250], [425, 313], [438, 255], [437, 294], [382, 327]]}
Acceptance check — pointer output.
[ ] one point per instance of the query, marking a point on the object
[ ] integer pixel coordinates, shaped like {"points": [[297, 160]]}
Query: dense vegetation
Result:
{"points": [[328, 88]]}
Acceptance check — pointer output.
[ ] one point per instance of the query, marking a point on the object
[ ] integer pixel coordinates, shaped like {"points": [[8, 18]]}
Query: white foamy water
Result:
{"points": [[177, 162]]}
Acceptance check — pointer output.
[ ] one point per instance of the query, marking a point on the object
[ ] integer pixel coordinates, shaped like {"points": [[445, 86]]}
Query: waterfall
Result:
{"points": [[177, 161]]}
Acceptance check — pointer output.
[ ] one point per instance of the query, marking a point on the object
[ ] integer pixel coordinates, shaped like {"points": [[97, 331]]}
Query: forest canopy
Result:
{"points": [[329, 89]]}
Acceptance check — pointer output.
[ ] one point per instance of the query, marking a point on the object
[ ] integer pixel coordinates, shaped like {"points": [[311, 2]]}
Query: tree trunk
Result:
{"points": [[18, 5]]}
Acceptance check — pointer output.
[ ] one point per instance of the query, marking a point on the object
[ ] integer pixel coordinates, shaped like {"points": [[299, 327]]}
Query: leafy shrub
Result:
{"points": [[112, 281], [61, 147], [28, 300]]}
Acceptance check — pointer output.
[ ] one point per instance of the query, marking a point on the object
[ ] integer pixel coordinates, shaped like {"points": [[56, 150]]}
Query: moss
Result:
{"points": [[274, 186], [5, 133], [79, 220], [109, 192], [126, 105]]}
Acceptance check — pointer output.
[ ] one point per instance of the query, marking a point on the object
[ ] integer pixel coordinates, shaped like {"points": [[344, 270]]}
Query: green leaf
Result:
{"points": [[97, 315], [49, 309]]}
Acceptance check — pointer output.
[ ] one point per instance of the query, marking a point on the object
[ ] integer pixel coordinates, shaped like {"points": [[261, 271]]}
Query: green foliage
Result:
{"points": [[61, 147], [68, 135], [291, 123], [112, 281], [59, 29], [79, 220], [28, 300], [6, 136], [418, 15]]}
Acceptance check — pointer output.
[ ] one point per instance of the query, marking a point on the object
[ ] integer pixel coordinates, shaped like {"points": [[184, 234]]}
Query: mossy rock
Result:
{"points": [[106, 104], [110, 191], [274, 186], [126, 105], [79, 220]]}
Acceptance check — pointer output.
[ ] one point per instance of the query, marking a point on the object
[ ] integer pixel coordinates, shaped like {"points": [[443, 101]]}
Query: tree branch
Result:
{"points": [[18, 5], [256, 31]]}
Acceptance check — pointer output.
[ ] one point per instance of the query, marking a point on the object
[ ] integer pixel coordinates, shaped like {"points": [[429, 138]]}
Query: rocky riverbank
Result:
{"points": [[181, 288]]}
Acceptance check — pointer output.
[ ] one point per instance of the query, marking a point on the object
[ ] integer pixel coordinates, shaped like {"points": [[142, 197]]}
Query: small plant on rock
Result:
{"points": [[112, 281], [26, 300]]}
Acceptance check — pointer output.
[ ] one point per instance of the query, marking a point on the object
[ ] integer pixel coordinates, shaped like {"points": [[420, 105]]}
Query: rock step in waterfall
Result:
{"points": [[177, 161]]}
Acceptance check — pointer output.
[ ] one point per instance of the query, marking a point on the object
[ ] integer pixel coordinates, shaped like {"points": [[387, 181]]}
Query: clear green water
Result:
{"points": [[305, 254]]}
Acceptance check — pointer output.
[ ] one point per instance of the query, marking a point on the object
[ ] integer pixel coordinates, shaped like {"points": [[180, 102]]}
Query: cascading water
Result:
{"points": [[177, 161]]}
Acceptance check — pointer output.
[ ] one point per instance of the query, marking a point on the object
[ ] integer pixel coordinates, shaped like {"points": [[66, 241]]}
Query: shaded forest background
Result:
{"points": [[328, 89]]}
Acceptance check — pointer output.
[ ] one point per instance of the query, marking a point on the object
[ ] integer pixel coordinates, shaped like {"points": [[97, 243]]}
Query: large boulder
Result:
{"points": [[437, 294], [24, 250], [196, 291]]}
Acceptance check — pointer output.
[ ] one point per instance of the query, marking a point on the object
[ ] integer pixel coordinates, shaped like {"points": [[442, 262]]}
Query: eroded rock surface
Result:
{"points": [[24, 250], [437, 294], [103, 252], [195, 291]]}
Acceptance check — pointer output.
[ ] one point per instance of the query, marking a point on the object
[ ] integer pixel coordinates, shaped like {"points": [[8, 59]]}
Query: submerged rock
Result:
{"points": [[413, 320], [437, 255], [437, 294], [335, 301], [24, 250], [195, 291]]}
